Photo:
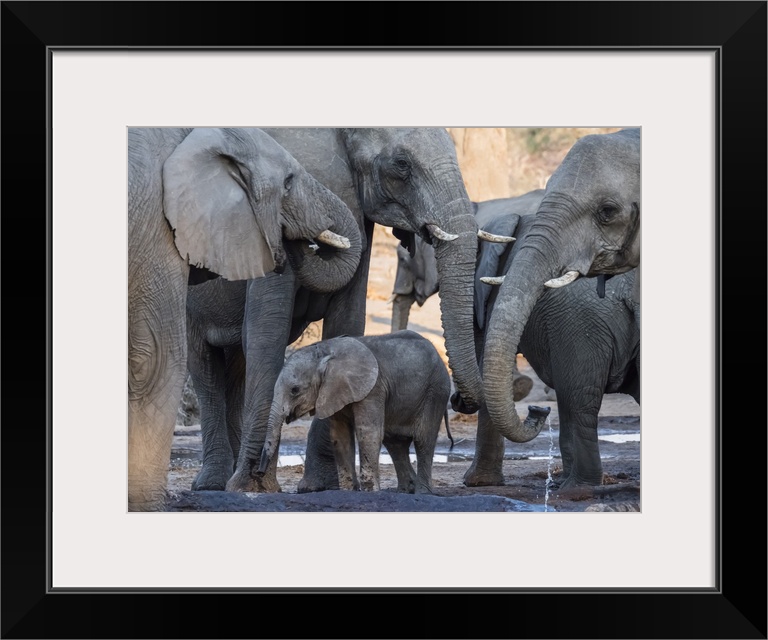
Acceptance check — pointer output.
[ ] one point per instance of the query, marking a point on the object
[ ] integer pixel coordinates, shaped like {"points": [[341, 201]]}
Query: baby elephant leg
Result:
{"points": [[369, 430], [425, 432], [343, 441], [399, 451]]}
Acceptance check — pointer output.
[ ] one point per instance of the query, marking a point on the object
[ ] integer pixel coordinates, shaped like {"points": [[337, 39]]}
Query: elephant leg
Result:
{"points": [[401, 309], [157, 368], [399, 451], [521, 384], [234, 380], [425, 453], [343, 439], [369, 431], [266, 329], [486, 467], [578, 438], [206, 366], [320, 471], [425, 429], [579, 373]]}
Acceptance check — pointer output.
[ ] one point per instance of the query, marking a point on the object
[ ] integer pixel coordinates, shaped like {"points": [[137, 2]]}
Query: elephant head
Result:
{"points": [[587, 224], [320, 379], [409, 179], [242, 181]]}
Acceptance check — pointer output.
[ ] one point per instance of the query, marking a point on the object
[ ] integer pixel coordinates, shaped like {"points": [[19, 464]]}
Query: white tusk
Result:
{"points": [[492, 237], [334, 239], [437, 232], [313, 246], [556, 283], [490, 280]]}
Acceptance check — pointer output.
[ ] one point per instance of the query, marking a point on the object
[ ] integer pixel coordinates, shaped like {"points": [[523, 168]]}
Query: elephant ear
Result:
{"points": [[347, 375], [207, 205], [488, 260]]}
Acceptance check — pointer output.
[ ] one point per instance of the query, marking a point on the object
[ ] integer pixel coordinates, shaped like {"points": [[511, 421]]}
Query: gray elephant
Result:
{"points": [[582, 340], [407, 179], [201, 202], [586, 225], [391, 389]]}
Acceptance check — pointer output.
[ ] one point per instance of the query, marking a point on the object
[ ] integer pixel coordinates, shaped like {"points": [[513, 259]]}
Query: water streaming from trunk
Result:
{"points": [[549, 481]]}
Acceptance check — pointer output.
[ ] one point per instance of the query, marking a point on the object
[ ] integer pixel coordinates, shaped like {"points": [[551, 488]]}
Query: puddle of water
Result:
{"points": [[620, 438], [292, 460], [289, 461]]}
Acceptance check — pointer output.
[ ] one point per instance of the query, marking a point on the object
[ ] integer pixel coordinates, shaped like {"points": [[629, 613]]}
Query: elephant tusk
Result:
{"points": [[492, 237], [334, 240], [490, 280], [563, 280], [437, 232]]}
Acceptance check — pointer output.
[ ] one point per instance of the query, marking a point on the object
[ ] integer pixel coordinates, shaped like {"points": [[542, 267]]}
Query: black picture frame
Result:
{"points": [[30, 30]]}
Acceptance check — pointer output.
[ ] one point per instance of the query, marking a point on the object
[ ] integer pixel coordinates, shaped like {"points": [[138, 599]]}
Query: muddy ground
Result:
{"points": [[528, 468]]}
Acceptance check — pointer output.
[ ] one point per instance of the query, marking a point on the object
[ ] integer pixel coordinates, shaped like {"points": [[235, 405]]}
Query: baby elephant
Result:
{"points": [[391, 389]]}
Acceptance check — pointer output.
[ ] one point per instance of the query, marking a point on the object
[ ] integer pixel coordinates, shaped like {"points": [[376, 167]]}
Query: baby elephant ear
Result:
{"points": [[206, 202], [347, 375]]}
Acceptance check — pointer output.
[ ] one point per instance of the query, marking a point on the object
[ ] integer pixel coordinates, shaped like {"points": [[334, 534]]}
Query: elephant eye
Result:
{"points": [[401, 164], [288, 182], [294, 390], [607, 212]]}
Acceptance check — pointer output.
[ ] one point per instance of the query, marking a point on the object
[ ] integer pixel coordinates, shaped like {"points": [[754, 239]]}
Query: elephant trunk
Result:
{"points": [[272, 442], [456, 271], [401, 309], [321, 266], [521, 289]]}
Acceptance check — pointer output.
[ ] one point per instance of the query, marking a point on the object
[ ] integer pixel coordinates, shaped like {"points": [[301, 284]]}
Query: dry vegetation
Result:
{"points": [[534, 153]]}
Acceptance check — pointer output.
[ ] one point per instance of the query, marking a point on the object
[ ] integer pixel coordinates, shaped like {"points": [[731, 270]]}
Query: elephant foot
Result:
{"points": [[210, 480], [483, 478], [573, 482], [521, 386], [242, 482], [309, 485]]}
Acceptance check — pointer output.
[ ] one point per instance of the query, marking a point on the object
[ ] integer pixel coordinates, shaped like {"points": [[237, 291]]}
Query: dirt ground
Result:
{"points": [[528, 468]]}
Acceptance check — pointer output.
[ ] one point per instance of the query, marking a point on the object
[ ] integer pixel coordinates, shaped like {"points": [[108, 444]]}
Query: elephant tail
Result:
{"points": [[447, 428]]}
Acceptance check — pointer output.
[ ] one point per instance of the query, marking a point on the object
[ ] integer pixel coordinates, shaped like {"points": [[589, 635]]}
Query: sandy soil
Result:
{"points": [[527, 467]]}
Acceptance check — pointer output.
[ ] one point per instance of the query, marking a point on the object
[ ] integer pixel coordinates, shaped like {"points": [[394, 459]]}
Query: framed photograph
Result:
{"points": [[77, 76]]}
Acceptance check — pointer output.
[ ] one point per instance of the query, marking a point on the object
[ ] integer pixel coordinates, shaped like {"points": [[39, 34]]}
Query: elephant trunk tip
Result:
{"points": [[263, 464], [458, 403], [537, 417]]}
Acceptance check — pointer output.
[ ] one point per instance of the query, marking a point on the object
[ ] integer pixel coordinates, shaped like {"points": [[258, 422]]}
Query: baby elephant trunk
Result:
{"points": [[272, 442]]}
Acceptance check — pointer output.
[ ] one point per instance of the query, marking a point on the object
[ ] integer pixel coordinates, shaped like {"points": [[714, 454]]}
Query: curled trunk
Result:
{"points": [[518, 295], [320, 267]]}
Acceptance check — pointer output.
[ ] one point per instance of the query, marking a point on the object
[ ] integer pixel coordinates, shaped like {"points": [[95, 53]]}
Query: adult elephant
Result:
{"points": [[407, 179], [201, 202], [587, 224], [582, 340]]}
